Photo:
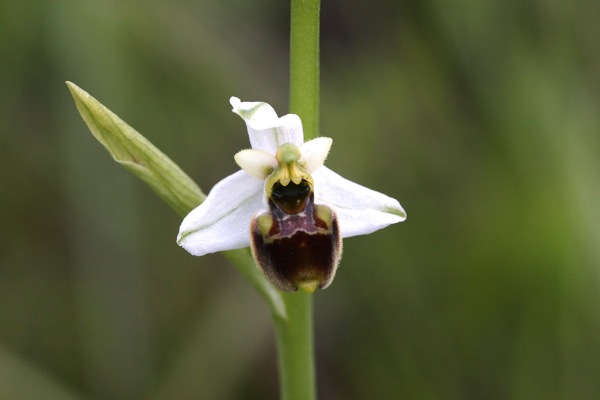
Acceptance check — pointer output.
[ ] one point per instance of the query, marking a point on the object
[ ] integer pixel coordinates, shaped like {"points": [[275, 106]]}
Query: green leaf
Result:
{"points": [[137, 154]]}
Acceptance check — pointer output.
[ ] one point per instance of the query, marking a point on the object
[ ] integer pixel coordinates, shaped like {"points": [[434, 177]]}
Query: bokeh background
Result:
{"points": [[481, 117]]}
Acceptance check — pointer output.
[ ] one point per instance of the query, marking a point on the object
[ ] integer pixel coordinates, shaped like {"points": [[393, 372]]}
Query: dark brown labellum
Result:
{"points": [[296, 241]]}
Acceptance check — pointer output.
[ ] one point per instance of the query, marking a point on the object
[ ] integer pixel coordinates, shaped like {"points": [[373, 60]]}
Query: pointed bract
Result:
{"points": [[134, 152]]}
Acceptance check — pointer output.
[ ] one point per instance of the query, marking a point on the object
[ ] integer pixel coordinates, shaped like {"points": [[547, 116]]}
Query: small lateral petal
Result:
{"points": [[222, 222], [257, 163], [314, 152], [360, 210]]}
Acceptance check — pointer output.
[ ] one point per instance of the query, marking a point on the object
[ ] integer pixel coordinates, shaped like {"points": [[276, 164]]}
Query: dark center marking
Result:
{"points": [[291, 198]]}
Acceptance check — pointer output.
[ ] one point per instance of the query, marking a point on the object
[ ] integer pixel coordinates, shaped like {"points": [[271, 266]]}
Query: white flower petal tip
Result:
{"points": [[257, 163], [314, 152], [222, 222], [234, 101], [260, 115]]}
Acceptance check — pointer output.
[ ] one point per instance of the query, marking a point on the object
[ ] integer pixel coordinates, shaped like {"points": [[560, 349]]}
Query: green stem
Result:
{"points": [[295, 350], [304, 64], [294, 330]]}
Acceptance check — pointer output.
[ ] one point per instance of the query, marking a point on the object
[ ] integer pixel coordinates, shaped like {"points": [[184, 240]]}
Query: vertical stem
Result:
{"points": [[294, 331], [304, 64], [295, 348]]}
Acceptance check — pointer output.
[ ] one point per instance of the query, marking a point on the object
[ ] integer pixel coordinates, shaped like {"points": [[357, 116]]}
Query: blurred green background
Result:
{"points": [[481, 117]]}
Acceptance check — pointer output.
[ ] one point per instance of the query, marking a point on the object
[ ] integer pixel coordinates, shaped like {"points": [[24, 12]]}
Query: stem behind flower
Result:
{"points": [[304, 64], [295, 343]]}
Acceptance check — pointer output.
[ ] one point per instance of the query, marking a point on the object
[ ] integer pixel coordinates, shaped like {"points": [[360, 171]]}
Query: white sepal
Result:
{"points": [[360, 210], [222, 221], [266, 131]]}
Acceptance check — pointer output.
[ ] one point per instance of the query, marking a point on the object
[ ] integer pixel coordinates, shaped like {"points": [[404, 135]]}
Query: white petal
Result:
{"points": [[257, 163], [266, 131], [314, 152], [222, 222], [359, 210]]}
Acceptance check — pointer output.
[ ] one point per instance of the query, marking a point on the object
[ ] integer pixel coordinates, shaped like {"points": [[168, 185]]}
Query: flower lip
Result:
{"points": [[297, 250]]}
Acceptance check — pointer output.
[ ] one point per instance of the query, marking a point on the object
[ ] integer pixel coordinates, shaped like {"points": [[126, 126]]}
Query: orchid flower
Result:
{"points": [[284, 203]]}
